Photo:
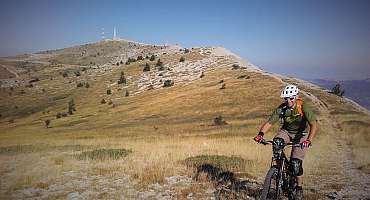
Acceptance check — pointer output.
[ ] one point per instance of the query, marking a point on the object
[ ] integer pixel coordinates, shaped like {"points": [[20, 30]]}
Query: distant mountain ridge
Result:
{"points": [[357, 90]]}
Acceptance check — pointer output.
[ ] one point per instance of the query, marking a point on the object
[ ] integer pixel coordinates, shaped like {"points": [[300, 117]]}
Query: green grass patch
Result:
{"points": [[17, 149], [231, 163], [103, 154]]}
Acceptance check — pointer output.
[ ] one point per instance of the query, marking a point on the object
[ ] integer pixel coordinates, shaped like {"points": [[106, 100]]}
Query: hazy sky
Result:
{"points": [[307, 39]]}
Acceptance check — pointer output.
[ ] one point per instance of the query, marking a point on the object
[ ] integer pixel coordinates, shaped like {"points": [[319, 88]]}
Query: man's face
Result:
{"points": [[290, 101]]}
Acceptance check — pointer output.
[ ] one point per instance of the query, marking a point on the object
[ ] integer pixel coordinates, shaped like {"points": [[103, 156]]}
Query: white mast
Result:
{"points": [[114, 34]]}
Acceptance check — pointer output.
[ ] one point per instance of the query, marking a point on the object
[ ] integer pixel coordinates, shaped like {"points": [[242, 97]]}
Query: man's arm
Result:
{"points": [[314, 127], [265, 127]]}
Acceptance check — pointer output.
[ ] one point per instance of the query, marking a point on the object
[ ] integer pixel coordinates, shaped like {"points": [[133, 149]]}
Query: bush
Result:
{"points": [[122, 79], [87, 85], [186, 51], [47, 123], [117, 63], [146, 68], [235, 66], [109, 92], [140, 58], [65, 74], [77, 73], [337, 90], [168, 83], [121, 62], [159, 63], [127, 93], [80, 85], [71, 107], [219, 121], [59, 115], [182, 59], [103, 154], [152, 58], [103, 101], [233, 163]]}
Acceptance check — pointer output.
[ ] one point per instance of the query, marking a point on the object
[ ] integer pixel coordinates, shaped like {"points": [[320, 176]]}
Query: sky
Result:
{"points": [[306, 39]]}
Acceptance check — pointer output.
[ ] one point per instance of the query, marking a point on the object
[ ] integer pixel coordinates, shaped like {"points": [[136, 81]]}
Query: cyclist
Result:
{"points": [[295, 116]]}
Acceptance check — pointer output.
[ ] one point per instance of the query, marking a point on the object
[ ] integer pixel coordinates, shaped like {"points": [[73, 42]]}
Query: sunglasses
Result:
{"points": [[289, 98]]}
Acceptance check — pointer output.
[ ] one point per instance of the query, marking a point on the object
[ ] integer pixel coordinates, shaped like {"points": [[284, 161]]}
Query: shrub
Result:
{"points": [[219, 121], [152, 58], [146, 68], [235, 66], [65, 74], [233, 163], [159, 63], [47, 123], [168, 83], [77, 73], [71, 107], [110, 102], [103, 154], [337, 90], [117, 63], [140, 58], [59, 115], [122, 79], [103, 101], [121, 62], [127, 93], [186, 51], [87, 85], [80, 85], [109, 91], [182, 59]]}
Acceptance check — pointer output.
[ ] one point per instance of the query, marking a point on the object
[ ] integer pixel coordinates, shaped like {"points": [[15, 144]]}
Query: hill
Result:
{"points": [[125, 125], [356, 90]]}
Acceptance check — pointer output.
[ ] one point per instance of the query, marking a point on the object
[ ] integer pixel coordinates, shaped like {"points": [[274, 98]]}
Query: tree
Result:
{"points": [[47, 123], [159, 63], [122, 79], [146, 68], [71, 107], [337, 90]]}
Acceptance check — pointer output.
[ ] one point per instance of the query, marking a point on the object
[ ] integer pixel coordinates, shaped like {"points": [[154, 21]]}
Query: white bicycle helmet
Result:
{"points": [[289, 91]]}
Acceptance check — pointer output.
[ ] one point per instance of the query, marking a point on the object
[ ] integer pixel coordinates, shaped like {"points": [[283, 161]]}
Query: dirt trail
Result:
{"points": [[10, 70]]}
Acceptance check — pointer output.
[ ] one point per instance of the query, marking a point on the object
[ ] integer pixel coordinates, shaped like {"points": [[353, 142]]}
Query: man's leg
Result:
{"points": [[297, 164], [283, 134]]}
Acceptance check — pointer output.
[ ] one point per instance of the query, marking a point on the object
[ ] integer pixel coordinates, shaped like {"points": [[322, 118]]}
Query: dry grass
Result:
{"points": [[162, 128]]}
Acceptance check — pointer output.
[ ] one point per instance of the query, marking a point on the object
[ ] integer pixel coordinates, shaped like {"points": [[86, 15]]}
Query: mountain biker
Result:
{"points": [[294, 116]]}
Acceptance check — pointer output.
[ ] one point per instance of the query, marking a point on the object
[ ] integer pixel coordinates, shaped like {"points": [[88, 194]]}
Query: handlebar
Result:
{"points": [[265, 142]]}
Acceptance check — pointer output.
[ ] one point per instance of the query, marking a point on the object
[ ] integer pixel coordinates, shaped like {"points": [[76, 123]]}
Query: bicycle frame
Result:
{"points": [[285, 182]]}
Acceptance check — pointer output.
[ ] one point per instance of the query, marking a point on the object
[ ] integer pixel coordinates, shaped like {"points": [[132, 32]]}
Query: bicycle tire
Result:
{"points": [[268, 190]]}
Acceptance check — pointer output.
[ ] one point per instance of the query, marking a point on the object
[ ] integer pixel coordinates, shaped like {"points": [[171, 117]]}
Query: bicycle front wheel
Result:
{"points": [[271, 189]]}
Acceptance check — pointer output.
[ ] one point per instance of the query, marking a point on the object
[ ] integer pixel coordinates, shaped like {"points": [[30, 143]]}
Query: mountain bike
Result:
{"points": [[279, 181]]}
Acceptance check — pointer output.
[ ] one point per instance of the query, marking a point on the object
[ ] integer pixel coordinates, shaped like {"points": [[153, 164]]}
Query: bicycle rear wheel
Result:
{"points": [[271, 189]]}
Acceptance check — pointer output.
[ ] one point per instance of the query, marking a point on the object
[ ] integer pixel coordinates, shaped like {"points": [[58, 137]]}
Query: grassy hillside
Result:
{"points": [[123, 147]]}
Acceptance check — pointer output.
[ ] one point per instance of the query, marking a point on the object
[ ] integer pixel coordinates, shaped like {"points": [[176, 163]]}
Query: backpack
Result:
{"points": [[299, 102]]}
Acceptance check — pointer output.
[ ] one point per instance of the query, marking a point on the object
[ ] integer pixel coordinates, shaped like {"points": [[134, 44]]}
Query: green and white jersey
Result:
{"points": [[292, 121]]}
